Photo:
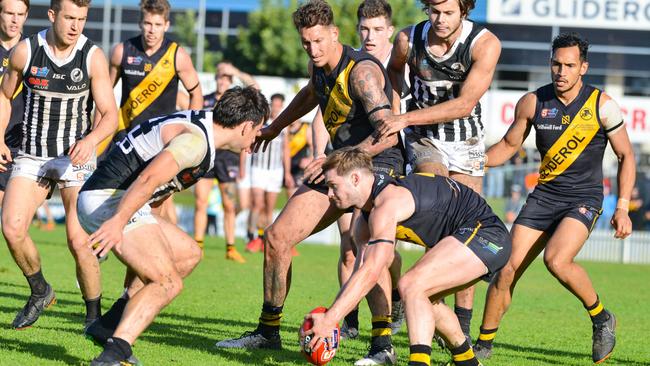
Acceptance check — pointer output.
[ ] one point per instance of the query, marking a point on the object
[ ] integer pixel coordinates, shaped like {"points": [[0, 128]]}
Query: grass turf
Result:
{"points": [[546, 325]]}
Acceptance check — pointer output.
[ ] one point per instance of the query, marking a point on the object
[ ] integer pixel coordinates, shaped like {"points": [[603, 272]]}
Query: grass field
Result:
{"points": [[545, 326]]}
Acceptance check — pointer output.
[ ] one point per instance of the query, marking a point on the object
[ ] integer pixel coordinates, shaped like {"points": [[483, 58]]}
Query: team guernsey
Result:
{"points": [[571, 140], [141, 145], [345, 118], [57, 97], [149, 83], [444, 207], [435, 80], [14, 131]]}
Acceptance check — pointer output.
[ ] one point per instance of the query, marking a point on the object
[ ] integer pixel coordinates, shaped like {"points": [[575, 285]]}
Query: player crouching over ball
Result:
{"points": [[466, 242]]}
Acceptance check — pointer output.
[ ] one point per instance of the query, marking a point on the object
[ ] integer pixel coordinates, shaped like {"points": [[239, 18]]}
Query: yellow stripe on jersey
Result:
{"points": [[19, 89], [572, 142], [298, 141], [339, 103], [149, 89], [406, 234]]}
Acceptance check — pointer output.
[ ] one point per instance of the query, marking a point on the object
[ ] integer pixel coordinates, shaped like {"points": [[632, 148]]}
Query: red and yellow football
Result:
{"points": [[326, 350]]}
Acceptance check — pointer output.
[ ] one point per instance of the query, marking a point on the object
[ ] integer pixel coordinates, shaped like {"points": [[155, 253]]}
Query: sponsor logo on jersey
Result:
{"points": [[549, 113], [457, 66], [571, 147], [586, 114], [76, 87], [134, 72], [40, 72], [148, 67], [58, 76], [76, 75], [586, 213], [134, 60], [489, 246], [37, 83], [566, 120], [5, 62]]}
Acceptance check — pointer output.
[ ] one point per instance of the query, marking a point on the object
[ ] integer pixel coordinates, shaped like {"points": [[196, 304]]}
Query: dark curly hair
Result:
{"points": [[465, 5], [572, 39], [313, 13], [238, 105]]}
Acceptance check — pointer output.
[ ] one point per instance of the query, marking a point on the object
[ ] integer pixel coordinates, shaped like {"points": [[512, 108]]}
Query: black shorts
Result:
{"points": [[545, 215], [392, 167], [490, 241], [226, 166]]}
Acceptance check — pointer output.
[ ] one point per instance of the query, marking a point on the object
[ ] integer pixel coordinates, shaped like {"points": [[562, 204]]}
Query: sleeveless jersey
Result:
{"points": [[442, 206], [346, 119], [58, 100], [271, 159], [298, 148], [435, 80], [571, 140], [141, 145], [149, 83], [14, 130]]}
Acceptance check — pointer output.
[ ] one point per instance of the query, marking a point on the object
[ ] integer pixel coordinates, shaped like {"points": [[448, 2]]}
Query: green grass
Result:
{"points": [[545, 326]]}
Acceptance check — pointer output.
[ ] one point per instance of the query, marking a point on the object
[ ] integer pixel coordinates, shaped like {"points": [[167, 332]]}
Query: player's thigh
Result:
{"points": [[473, 182], [145, 250], [567, 240], [527, 243], [448, 265], [202, 189], [69, 197], [228, 194], [181, 245], [257, 195], [306, 212], [22, 198]]}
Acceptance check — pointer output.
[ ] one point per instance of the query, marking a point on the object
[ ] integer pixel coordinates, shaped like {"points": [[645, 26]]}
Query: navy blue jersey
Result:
{"points": [[14, 131]]}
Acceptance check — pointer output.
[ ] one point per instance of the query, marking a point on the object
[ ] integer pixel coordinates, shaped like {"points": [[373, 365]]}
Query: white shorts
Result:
{"points": [[59, 170], [266, 180], [97, 206], [466, 157]]}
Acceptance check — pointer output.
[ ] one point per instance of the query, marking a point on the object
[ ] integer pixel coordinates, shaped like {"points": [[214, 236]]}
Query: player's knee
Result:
{"points": [[555, 265], [275, 241], [14, 228], [229, 208], [201, 205], [506, 276], [406, 286], [173, 285]]}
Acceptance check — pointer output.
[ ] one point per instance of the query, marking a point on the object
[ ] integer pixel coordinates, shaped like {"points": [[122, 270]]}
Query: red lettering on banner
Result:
{"points": [[508, 113], [636, 119]]}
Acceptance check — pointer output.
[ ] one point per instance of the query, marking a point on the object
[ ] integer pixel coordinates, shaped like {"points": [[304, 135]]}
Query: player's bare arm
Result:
{"points": [[10, 82], [367, 86], [116, 63], [190, 79], [503, 150], [105, 122], [397, 64], [485, 56], [612, 118], [393, 205], [320, 138]]}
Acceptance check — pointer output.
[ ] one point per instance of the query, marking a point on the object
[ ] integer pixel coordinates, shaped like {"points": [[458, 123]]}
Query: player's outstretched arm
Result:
{"points": [[9, 83], [367, 85], [397, 63], [612, 120], [105, 122], [190, 79], [503, 150]]}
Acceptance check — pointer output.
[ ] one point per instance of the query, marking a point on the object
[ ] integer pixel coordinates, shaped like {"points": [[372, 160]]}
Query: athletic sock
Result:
{"points": [[118, 348], [486, 337], [269, 322], [37, 284], [230, 247], [93, 308], [395, 295], [352, 319], [463, 355], [381, 332], [597, 312], [250, 235], [420, 355], [260, 234], [199, 243], [112, 317], [464, 318]]}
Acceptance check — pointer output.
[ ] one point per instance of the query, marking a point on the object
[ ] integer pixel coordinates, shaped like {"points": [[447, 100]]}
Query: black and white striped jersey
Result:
{"points": [[436, 80], [57, 96], [141, 145], [271, 159]]}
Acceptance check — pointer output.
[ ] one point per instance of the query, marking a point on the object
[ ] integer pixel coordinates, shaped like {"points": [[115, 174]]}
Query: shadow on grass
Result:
{"points": [[26, 289], [537, 354], [40, 350]]}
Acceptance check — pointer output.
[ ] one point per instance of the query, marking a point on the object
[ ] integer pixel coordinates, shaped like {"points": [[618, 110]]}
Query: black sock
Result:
{"points": [[420, 355], [117, 347], [395, 295], [250, 235], [464, 318], [269, 322], [352, 319], [113, 316], [381, 333], [230, 247], [93, 308], [597, 312], [463, 355], [37, 284], [260, 234], [486, 337]]}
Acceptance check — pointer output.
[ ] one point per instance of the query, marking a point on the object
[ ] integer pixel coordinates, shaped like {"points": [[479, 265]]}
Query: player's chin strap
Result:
{"points": [[379, 108], [377, 241]]}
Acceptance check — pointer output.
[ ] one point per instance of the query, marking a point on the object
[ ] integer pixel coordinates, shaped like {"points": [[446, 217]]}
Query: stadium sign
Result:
{"points": [[615, 14]]}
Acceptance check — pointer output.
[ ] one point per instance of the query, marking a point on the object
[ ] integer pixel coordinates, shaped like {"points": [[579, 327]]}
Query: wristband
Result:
{"points": [[623, 204]]}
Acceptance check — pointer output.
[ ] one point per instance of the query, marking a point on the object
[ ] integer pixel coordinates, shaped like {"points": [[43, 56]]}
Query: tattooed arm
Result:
{"points": [[367, 86]]}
